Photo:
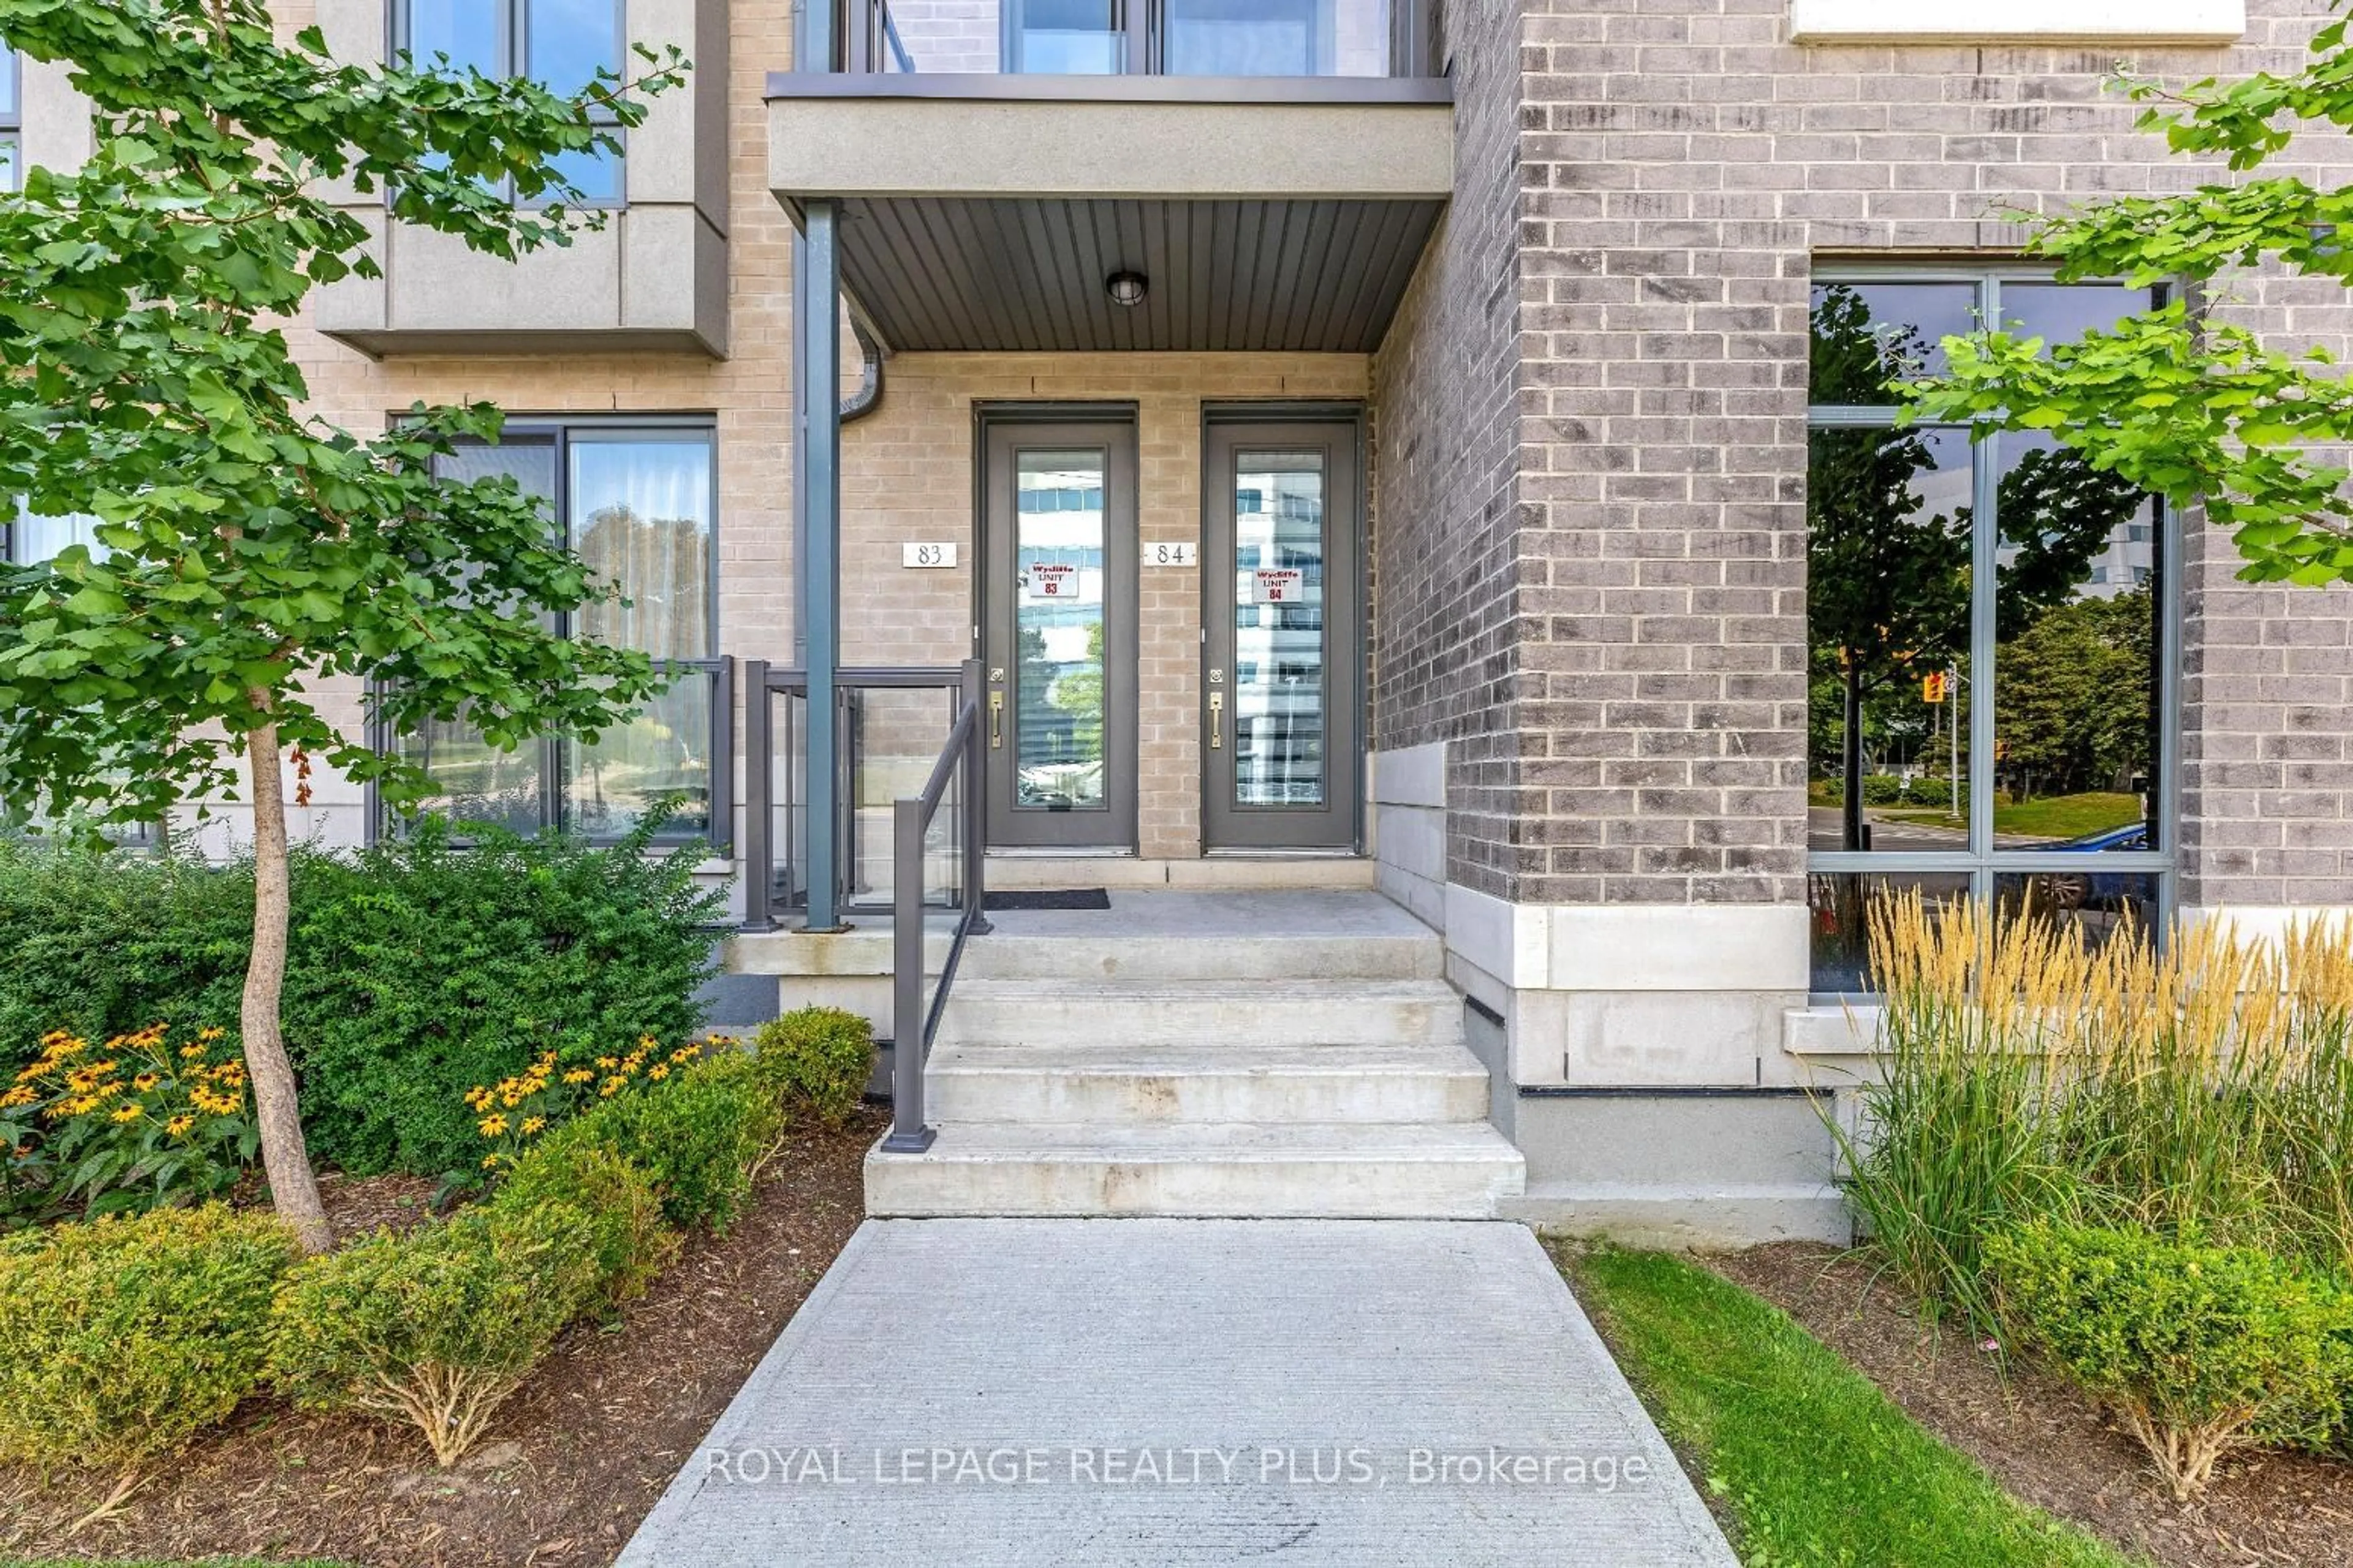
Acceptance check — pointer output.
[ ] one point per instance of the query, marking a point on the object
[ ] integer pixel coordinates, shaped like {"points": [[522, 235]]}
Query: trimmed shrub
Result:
{"points": [[2201, 1349], [820, 1058], [421, 970], [632, 1242], [699, 1137], [121, 1339], [416, 970], [101, 944], [436, 1326]]}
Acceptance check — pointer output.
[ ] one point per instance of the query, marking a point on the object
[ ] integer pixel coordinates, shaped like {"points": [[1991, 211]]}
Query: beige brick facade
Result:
{"points": [[907, 469], [907, 475]]}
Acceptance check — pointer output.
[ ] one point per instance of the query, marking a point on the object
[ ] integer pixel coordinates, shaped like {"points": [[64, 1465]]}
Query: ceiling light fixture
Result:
{"points": [[1126, 289]]}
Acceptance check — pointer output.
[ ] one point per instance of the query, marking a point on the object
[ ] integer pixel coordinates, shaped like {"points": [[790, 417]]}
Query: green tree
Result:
{"points": [[2075, 696], [2179, 401], [249, 551]]}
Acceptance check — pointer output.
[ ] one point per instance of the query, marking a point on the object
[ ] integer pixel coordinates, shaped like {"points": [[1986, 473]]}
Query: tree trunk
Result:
{"points": [[1850, 763], [284, 1155]]}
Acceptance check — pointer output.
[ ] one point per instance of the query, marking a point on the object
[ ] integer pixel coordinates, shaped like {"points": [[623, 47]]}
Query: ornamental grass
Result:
{"points": [[2200, 1086]]}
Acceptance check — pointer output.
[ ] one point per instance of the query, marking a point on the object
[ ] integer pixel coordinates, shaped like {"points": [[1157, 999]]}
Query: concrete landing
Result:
{"points": [[1182, 1391]]}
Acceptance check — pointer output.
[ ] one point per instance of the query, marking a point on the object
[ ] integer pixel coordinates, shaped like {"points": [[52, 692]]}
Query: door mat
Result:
{"points": [[1048, 898]]}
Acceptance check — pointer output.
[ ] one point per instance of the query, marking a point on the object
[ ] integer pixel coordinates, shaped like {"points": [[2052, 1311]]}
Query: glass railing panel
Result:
{"points": [[1276, 37], [1030, 37], [1092, 37], [895, 736]]}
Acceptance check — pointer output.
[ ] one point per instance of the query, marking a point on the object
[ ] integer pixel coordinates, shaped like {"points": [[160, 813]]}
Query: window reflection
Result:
{"points": [[2105, 906], [1869, 335], [1840, 907], [1278, 653], [1058, 697], [641, 514], [640, 508], [1901, 619], [2075, 688], [1889, 552]]}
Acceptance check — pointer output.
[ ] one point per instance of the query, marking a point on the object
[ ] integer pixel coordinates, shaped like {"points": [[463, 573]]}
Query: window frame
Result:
{"points": [[515, 47], [12, 118], [559, 431], [1983, 861]]}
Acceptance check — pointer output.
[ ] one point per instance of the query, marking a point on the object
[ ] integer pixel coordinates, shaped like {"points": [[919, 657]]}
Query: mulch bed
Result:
{"points": [[571, 1464], [2046, 1443]]}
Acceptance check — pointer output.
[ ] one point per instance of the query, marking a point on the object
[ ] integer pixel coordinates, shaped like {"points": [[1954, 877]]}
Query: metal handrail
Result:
{"points": [[912, 1026]]}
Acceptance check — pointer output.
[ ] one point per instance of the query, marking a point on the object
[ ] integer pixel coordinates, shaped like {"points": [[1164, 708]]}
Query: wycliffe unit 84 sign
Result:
{"points": [[1278, 585], [1059, 582]]}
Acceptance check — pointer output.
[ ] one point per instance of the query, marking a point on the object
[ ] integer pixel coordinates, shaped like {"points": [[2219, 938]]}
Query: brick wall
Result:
{"points": [[1682, 167], [1446, 477]]}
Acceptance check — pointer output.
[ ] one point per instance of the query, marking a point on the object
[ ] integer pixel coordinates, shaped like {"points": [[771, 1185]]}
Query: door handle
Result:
{"points": [[1217, 721], [997, 720]]}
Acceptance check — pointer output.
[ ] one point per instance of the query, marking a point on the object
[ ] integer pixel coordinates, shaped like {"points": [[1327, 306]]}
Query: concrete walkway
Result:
{"points": [[1180, 1392]]}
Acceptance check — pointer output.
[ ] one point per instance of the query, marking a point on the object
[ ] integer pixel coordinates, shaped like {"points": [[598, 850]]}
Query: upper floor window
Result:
{"points": [[33, 540], [1991, 630], [639, 503], [1101, 37], [560, 44], [11, 120]]}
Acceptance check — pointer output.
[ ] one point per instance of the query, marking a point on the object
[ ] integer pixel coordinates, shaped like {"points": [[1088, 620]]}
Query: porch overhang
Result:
{"points": [[987, 213]]}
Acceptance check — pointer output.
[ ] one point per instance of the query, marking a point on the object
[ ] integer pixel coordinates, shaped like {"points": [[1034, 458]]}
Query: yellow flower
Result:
{"points": [[178, 1126], [130, 1112], [488, 1160], [211, 1034], [23, 1094], [145, 1081], [192, 1053], [578, 1075], [613, 1086], [658, 1072], [532, 1124], [608, 1063], [493, 1125]]}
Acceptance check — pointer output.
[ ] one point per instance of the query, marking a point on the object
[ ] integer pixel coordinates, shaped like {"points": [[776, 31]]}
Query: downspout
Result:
{"points": [[868, 395]]}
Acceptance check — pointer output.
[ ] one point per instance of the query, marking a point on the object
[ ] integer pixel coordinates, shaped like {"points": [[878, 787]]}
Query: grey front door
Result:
{"points": [[1058, 631], [1282, 684]]}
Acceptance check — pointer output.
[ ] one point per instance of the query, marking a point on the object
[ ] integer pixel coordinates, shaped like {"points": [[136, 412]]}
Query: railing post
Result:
{"points": [[975, 803], [908, 1134], [759, 801]]}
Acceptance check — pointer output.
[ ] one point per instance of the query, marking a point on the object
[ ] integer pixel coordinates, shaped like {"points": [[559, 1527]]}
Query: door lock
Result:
{"points": [[997, 720], [1217, 721]]}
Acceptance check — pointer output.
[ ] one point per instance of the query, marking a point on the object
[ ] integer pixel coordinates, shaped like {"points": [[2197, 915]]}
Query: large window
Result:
{"points": [[639, 503], [11, 120], [1991, 632], [560, 44]]}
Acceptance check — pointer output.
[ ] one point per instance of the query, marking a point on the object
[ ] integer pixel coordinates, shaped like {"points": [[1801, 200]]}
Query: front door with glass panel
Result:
{"points": [[1058, 633], [1283, 677]]}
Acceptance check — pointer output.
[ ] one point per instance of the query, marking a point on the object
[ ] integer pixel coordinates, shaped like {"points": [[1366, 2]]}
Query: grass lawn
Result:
{"points": [[2056, 817], [1811, 1463]]}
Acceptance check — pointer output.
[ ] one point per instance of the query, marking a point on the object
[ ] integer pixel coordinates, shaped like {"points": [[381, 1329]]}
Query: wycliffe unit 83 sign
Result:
{"points": [[1056, 582]]}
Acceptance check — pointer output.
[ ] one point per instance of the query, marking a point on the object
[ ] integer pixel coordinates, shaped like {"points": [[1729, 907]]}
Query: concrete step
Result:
{"points": [[1007, 954], [1049, 1011], [1303, 1170], [1227, 1081]]}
